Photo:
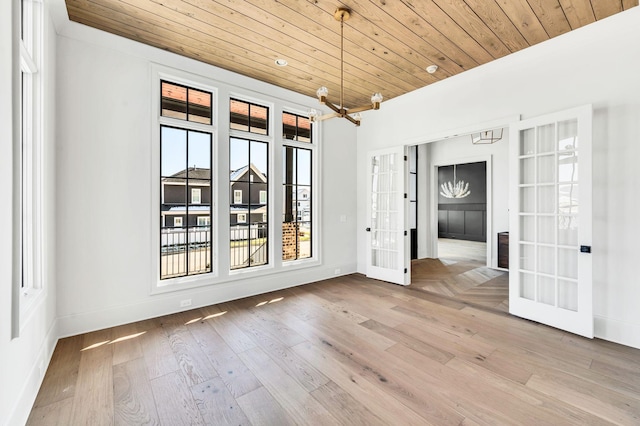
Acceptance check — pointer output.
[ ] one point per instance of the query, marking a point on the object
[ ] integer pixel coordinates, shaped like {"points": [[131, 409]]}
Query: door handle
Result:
{"points": [[585, 249], [368, 229]]}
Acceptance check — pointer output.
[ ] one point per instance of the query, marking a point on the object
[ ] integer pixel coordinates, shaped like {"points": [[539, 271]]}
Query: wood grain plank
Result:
{"points": [[216, 404], [59, 382], [525, 20], [126, 343], [344, 407], [349, 378], [606, 404], [551, 16], [233, 372], [174, 401], [93, 397], [57, 413], [193, 363], [578, 12], [263, 410], [305, 374], [296, 401], [158, 356], [132, 395]]}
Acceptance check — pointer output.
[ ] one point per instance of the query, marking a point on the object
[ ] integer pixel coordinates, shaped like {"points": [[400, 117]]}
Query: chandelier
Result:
{"points": [[486, 137], [458, 189], [351, 114]]}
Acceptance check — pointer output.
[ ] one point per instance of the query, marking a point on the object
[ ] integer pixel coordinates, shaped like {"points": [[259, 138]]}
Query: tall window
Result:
{"points": [[249, 161], [296, 226], [249, 165], [31, 143], [185, 180]]}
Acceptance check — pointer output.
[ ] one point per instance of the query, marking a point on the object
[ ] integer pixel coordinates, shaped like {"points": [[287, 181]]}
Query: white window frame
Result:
{"points": [[237, 196], [263, 196], [160, 73], [315, 188], [221, 190], [177, 222], [241, 218], [204, 221], [194, 199], [31, 151]]}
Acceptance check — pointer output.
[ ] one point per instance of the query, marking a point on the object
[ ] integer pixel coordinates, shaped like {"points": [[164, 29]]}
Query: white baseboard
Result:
{"points": [[32, 382], [164, 304], [622, 332]]}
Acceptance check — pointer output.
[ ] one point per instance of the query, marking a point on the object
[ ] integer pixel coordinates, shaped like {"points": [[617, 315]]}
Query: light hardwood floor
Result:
{"points": [[350, 351]]}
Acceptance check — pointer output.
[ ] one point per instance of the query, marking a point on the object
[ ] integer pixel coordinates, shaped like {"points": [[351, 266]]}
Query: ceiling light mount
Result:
{"points": [[352, 114], [281, 62], [431, 69]]}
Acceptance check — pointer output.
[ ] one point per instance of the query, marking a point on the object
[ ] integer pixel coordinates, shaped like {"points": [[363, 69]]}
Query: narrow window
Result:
{"points": [[297, 220], [249, 162], [185, 180], [195, 195], [237, 196]]}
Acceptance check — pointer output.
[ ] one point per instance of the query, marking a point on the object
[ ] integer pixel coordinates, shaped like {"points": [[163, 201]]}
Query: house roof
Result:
{"points": [[236, 175]]}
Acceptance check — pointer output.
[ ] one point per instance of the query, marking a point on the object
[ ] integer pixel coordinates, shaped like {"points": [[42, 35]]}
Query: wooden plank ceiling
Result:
{"points": [[388, 43]]}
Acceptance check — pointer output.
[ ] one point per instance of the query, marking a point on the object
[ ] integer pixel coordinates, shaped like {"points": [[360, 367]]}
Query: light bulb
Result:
{"points": [[376, 98], [313, 114], [322, 92]]}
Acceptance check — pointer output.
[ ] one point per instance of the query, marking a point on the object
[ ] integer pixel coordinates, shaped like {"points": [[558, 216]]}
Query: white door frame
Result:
{"points": [[431, 239]]}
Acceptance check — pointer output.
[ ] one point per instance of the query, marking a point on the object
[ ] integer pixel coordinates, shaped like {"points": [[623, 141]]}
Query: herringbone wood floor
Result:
{"points": [[344, 351]]}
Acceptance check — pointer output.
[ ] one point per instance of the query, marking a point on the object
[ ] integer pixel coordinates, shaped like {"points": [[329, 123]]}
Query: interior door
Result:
{"points": [[388, 242], [550, 275]]}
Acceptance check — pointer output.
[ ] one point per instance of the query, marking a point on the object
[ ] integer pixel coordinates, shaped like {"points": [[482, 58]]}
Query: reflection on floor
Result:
{"points": [[460, 274], [449, 248]]}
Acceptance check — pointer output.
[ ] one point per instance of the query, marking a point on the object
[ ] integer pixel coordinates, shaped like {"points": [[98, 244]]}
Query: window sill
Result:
{"points": [[204, 280]]}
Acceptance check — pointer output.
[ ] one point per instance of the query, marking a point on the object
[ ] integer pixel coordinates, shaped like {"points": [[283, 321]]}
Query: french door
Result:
{"points": [[387, 241], [550, 271]]}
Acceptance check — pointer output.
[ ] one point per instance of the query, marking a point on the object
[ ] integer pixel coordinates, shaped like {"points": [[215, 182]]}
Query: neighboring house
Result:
{"points": [[248, 196], [194, 202]]}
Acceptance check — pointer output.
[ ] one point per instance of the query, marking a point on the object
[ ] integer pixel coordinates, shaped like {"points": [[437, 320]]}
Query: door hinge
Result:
{"points": [[406, 270], [405, 158], [405, 233], [405, 195]]}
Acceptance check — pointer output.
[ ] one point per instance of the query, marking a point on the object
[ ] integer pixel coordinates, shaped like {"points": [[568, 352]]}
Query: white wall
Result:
{"points": [[597, 64], [24, 359], [459, 150], [104, 185]]}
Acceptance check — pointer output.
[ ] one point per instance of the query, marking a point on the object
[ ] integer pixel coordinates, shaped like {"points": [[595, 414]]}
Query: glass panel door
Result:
{"points": [[550, 220], [388, 242]]}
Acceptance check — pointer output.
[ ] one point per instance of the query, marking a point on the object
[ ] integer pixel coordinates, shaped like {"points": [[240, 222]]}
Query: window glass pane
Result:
{"points": [[289, 125], [304, 167], [239, 115], [296, 227], [249, 203], [173, 151], [259, 159], [304, 129], [199, 153], [259, 119], [174, 101], [199, 106], [239, 159], [199, 250]]}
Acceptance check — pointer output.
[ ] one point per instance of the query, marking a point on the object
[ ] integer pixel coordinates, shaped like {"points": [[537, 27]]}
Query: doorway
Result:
{"points": [[462, 211]]}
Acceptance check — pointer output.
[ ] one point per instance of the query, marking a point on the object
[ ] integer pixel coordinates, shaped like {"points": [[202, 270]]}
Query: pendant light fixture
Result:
{"points": [[352, 114], [457, 189]]}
